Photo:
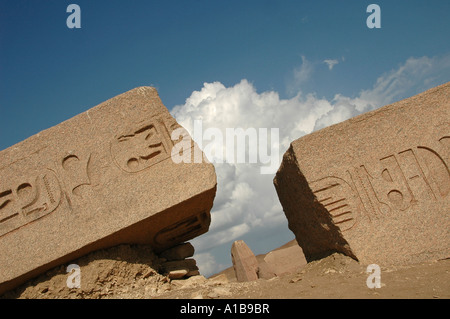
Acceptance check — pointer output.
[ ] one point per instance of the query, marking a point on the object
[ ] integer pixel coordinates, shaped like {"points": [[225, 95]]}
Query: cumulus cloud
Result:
{"points": [[246, 200], [413, 76], [207, 264]]}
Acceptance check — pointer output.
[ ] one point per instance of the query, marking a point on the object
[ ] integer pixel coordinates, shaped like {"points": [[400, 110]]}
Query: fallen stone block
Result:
{"points": [[103, 178], [375, 187], [244, 261]]}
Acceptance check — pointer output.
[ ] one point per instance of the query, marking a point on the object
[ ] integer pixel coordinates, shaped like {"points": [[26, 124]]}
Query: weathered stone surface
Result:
{"points": [[286, 260], [178, 252], [375, 187], [244, 261], [102, 178]]}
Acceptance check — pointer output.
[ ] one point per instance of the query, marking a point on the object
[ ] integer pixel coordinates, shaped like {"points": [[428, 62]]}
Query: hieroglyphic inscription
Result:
{"points": [[184, 229], [142, 145], [338, 197], [393, 183], [23, 201], [74, 172]]}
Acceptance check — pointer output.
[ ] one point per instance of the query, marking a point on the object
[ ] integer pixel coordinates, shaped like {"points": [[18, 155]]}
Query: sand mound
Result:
{"points": [[126, 271]]}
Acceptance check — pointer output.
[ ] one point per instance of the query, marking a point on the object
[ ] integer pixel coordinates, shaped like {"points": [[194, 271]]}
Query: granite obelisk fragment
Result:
{"points": [[101, 178], [244, 261], [375, 187]]}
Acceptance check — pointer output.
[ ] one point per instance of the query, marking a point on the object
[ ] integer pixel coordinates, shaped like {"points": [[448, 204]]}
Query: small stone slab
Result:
{"points": [[178, 274], [190, 265], [178, 252]]}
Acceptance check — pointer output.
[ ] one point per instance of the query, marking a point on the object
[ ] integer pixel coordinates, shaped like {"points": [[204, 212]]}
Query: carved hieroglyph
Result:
{"points": [[375, 187], [102, 178]]}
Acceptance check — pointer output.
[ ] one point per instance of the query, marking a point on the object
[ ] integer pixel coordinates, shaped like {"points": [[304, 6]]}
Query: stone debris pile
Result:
{"points": [[176, 264]]}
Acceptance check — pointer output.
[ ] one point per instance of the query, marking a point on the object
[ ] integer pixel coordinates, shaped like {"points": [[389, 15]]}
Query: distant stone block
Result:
{"points": [[375, 187], [265, 271], [286, 260]]}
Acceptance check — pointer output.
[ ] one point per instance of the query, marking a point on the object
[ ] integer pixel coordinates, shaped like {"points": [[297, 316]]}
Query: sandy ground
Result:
{"points": [[336, 276], [131, 272]]}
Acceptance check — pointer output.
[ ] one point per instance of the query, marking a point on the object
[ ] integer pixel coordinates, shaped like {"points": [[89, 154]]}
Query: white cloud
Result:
{"points": [[331, 63], [207, 264], [413, 76], [246, 201]]}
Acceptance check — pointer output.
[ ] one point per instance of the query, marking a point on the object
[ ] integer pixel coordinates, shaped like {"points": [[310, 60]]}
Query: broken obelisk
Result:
{"points": [[105, 177], [375, 187], [244, 261]]}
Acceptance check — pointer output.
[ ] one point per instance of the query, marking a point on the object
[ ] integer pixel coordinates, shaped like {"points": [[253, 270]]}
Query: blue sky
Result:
{"points": [[49, 73]]}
